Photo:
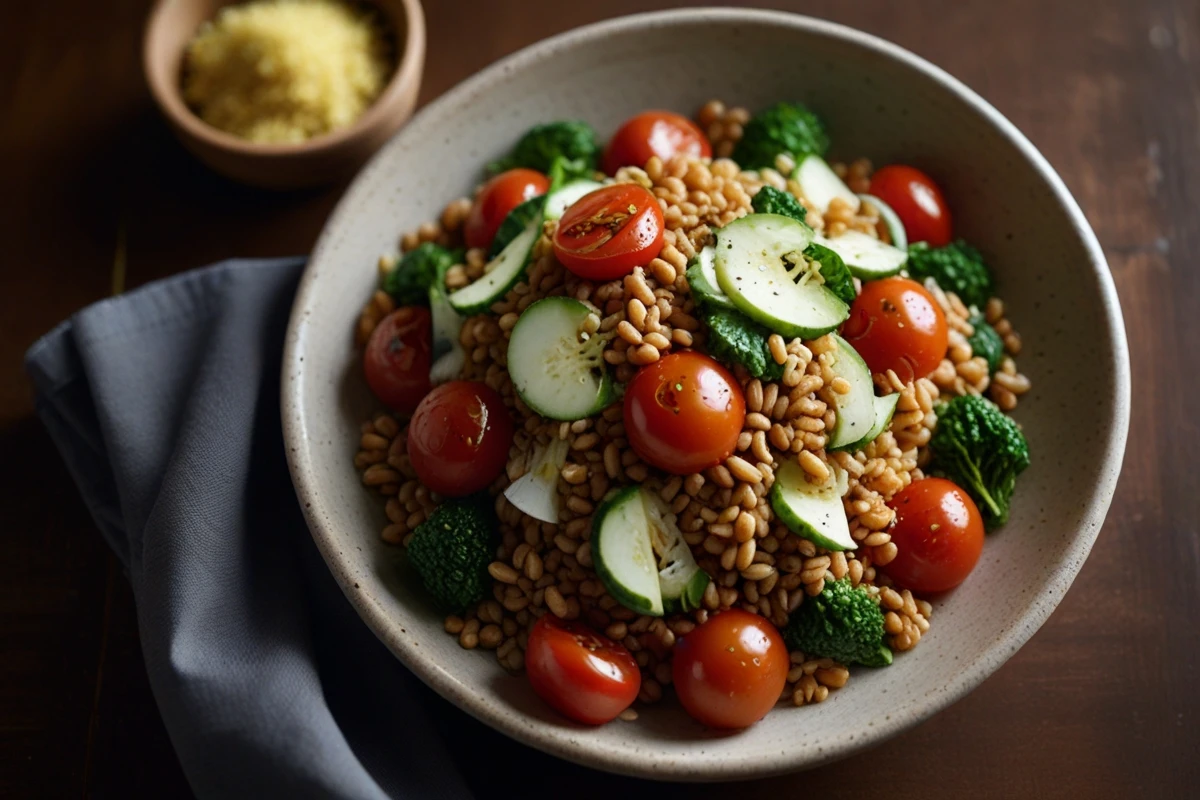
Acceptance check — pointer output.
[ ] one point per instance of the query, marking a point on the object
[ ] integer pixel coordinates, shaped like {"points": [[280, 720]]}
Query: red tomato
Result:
{"points": [[398, 356], [499, 196], [608, 232], [654, 133], [584, 675], [938, 535], [918, 202], [459, 438], [895, 324], [730, 671], [683, 413]]}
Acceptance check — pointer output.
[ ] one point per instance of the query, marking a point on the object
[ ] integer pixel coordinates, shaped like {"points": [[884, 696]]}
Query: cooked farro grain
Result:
{"points": [[724, 512]]}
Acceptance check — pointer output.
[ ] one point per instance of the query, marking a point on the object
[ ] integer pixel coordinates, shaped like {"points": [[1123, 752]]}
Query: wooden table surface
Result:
{"points": [[1102, 703]]}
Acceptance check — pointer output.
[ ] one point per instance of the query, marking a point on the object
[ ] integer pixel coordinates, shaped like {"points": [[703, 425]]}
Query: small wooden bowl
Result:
{"points": [[172, 25]]}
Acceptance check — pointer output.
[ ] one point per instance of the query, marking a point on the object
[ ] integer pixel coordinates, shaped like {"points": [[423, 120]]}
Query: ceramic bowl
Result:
{"points": [[879, 101], [173, 23]]}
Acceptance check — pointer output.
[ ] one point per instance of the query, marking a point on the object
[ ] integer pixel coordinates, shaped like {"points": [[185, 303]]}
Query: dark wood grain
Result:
{"points": [[1102, 703]]}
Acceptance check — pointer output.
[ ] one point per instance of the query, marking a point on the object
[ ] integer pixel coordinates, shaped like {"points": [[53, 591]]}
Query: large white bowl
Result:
{"points": [[879, 101]]}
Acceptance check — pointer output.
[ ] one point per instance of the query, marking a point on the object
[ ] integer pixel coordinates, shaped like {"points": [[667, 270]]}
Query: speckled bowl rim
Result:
{"points": [[570, 744]]}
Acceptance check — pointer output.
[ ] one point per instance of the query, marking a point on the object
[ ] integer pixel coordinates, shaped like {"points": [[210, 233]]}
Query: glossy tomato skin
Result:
{"points": [[398, 356], [684, 412], [654, 133], [499, 196], [459, 437], [896, 324], [730, 671], [581, 674], [918, 202], [606, 233], [938, 534]]}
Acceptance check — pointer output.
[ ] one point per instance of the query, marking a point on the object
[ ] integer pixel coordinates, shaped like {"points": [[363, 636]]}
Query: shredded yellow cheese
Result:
{"points": [[284, 71]]}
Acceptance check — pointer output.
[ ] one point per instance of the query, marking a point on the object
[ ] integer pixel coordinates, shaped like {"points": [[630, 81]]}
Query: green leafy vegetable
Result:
{"points": [[408, 282], [982, 450], [986, 342], [770, 200], [452, 549], [572, 141], [515, 222], [843, 622], [957, 268], [783, 128], [734, 338], [835, 272]]}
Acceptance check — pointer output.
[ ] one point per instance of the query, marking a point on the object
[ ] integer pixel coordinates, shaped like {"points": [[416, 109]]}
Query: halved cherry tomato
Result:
{"points": [[398, 357], [896, 324], [606, 233], [918, 202], [938, 535], [684, 412], [459, 438], [586, 676], [730, 671], [499, 196], [654, 133]]}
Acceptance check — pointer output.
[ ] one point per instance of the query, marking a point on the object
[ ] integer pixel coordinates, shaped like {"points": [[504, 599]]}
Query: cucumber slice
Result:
{"points": [[761, 268], [622, 554], [890, 219], [885, 407], [820, 185], [556, 372], [867, 257], [814, 512], [856, 408], [502, 273], [536, 492], [559, 200], [448, 354], [680, 578], [702, 280]]}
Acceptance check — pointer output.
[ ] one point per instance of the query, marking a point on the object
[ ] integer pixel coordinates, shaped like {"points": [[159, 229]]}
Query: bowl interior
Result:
{"points": [[879, 102]]}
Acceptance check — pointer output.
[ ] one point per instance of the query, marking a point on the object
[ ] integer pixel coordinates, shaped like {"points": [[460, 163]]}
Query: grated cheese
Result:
{"points": [[284, 71]]}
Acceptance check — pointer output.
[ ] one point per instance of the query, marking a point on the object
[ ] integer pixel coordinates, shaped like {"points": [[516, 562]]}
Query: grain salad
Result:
{"points": [[695, 398]]}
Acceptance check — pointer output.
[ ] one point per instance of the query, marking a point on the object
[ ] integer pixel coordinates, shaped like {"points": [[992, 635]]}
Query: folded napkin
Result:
{"points": [[165, 405]]}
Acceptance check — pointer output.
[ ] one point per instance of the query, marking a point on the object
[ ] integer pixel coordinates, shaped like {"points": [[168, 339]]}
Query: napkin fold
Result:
{"points": [[164, 403]]}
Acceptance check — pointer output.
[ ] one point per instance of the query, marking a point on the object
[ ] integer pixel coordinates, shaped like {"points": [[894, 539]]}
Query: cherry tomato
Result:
{"points": [[895, 324], [683, 413], [459, 438], [918, 202], [608, 232], [499, 196], [586, 676], [730, 671], [938, 535], [654, 133], [398, 356]]}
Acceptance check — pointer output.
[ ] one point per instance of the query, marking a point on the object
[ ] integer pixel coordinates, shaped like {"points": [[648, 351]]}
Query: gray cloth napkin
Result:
{"points": [[165, 405]]}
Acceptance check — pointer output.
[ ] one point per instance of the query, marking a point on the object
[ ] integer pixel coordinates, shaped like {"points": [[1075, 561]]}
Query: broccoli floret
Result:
{"points": [[408, 282], [986, 342], [957, 268], [843, 622], [834, 271], [515, 223], [783, 128], [770, 200], [452, 549], [982, 450], [735, 339], [572, 141]]}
